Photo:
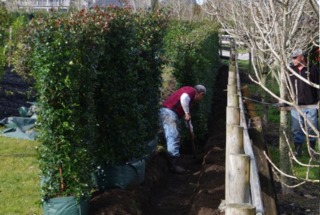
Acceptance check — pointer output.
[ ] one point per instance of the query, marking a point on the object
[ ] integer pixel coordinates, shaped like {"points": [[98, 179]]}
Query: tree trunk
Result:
{"points": [[283, 146], [264, 96], [154, 5]]}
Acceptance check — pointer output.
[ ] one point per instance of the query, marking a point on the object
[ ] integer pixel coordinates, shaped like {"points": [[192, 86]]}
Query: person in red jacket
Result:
{"points": [[175, 107]]}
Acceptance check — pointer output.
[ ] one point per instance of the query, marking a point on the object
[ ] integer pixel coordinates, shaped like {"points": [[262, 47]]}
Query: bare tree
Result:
{"points": [[271, 29], [12, 5], [183, 9]]}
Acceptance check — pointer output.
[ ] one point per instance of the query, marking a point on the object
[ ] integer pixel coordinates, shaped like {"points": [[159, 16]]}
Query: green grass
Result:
{"points": [[242, 64], [19, 177], [298, 170]]}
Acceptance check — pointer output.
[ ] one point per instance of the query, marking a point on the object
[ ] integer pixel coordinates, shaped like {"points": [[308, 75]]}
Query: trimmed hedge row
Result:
{"points": [[192, 52], [98, 80], [4, 36]]}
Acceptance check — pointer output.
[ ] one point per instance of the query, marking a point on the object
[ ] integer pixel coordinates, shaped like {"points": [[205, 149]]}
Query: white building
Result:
{"points": [[44, 4], [31, 5]]}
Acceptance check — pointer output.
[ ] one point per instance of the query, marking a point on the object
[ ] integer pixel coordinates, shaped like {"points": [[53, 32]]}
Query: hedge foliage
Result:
{"points": [[98, 78], [129, 79], [62, 62], [13, 53], [5, 21], [192, 53]]}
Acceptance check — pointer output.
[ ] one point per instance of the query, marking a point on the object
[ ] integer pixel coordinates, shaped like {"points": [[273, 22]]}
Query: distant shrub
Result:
{"points": [[192, 52]]}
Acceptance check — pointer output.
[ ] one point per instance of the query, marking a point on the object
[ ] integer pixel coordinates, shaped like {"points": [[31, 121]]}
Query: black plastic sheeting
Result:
{"points": [[65, 206], [121, 176], [21, 127]]}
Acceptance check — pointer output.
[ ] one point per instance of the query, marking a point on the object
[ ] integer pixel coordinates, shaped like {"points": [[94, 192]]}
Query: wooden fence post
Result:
{"points": [[232, 99], [240, 209], [238, 179], [232, 81], [234, 140], [232, 89], [232, 72], [233, 115]]}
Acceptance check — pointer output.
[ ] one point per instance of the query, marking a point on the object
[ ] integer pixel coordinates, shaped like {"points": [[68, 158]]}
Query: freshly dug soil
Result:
{"points": [[198, 192]]}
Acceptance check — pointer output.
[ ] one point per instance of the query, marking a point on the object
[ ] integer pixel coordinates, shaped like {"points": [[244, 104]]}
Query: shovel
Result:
{"points": [[192, 139]]}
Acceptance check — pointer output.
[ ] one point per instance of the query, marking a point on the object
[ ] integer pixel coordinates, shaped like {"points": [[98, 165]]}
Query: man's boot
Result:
{"points": [[175, 167], [298, 148]]}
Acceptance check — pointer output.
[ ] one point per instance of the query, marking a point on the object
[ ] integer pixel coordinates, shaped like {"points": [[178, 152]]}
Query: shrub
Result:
{"points": [[63, 64], [97, 74], [4, 36], [128, 86], [192, 51]]}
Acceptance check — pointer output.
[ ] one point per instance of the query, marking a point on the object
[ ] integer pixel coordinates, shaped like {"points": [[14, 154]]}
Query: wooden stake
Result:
{"points": [[61, 179], [232, 99], [238, 179], [240, 209], [232, 80], [232, 89], [233, 115], [234, 145]]}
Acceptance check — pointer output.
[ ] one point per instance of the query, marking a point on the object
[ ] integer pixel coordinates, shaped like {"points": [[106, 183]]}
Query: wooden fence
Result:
{"points": [[243, 192]]}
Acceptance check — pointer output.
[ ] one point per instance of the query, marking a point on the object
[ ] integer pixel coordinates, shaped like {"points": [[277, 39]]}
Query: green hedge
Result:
{"points": [[17, 22], [64, 68], [192, 53], [5, 21], [128, 89], [98, 78]]}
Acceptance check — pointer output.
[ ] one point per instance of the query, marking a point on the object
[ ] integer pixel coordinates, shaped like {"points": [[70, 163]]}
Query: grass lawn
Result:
{"points": [[19, 177]]}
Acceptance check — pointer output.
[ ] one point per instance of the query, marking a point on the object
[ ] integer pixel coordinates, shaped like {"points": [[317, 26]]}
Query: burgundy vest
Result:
{"points": [[173, 101]]}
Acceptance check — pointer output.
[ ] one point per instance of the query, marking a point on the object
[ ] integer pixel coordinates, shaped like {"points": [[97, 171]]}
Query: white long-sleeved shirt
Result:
{"points": [[185, 101]]}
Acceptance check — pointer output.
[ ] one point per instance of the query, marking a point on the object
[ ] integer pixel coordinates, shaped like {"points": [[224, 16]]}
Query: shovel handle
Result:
{"points": [[192, 139]]}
